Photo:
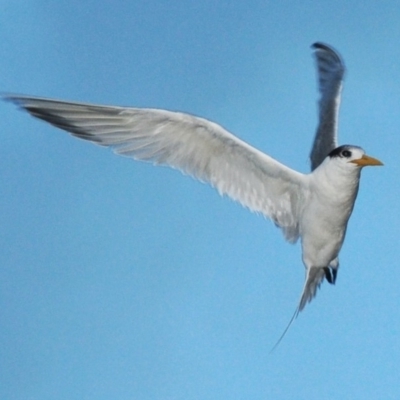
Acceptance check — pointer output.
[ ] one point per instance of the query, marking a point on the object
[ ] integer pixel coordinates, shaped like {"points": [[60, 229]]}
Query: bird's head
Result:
{"points": [[341, 171], [352, 156]]}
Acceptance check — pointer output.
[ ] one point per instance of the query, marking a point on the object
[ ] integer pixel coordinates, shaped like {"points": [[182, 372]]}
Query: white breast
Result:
{"points": [[324, 219]]}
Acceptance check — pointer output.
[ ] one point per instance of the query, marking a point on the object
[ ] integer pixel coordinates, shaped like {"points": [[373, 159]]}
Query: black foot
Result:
{"points": [[330, 275]]}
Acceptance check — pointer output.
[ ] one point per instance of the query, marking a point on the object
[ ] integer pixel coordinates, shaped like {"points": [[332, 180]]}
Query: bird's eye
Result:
{"points": [[346, 153]]}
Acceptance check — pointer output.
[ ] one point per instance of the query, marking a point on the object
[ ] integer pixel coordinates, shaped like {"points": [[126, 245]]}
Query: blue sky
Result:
{"points": [[123, 280]]}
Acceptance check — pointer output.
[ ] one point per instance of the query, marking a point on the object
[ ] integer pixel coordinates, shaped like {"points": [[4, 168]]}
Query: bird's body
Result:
{"points": [[315, 207], [333, 191]]}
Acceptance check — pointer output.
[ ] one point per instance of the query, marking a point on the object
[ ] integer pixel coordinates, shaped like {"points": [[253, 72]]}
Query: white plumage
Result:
{"points": [[315, 207]]}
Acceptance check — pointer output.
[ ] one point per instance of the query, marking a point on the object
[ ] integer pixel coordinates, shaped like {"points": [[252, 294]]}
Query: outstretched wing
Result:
{"points": [[193, 145], [330, 68]]}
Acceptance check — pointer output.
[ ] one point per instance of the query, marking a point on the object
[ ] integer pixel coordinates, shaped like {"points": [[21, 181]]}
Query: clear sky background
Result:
{"points": [[120, 280]]}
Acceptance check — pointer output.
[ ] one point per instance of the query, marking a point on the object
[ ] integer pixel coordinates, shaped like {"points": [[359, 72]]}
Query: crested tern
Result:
{"points": [[314, 207]]}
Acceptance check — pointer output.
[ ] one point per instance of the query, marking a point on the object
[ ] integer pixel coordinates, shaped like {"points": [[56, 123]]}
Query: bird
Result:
{"points": [[314, 207]]}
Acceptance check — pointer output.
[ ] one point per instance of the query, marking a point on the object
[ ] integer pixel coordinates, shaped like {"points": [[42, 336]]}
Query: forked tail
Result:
{"points": [[314, 278], [294, 316]]}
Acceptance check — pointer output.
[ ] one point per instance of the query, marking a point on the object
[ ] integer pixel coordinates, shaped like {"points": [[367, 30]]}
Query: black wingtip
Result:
{"points": [[320, 45], [8, 97], [16, 99], [328, 48]]}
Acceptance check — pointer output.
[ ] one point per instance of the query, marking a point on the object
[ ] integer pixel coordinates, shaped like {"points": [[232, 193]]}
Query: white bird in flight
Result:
{"points": [[314, 207]]}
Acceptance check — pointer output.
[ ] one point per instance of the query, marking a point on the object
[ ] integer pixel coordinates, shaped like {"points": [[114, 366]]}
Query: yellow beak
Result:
{"points": [[366, 160]]}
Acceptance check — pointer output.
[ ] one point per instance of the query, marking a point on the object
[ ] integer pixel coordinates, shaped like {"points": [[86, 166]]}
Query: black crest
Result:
{"points": [[344, 151]]}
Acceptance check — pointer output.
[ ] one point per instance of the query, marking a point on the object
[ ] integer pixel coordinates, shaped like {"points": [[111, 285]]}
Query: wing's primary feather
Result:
{"points": [[330, 69], [194, 145]]}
